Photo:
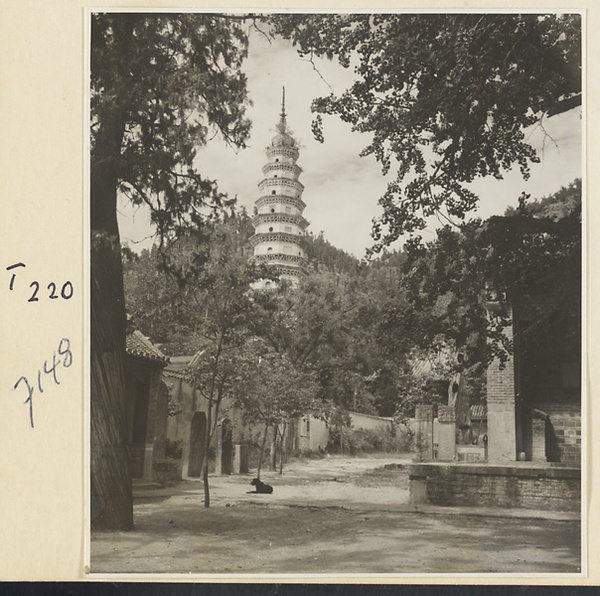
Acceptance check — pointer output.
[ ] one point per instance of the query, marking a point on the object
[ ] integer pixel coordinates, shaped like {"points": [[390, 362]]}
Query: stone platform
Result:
{"points": [[521, 485]]}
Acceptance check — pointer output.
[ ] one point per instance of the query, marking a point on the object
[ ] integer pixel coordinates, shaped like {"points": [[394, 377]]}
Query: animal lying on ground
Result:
{"points": [[261, 487]]}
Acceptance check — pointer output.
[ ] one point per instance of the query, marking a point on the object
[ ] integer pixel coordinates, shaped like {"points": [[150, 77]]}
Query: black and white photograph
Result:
{"points": [[336, 293]]}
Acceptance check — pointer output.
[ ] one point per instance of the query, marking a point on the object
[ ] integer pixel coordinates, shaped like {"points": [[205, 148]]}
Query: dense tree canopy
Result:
{"points": [[271, 391], [326, 327], [447, 98], [530, 258], [164, 85], [322, 254], [161, 86]]}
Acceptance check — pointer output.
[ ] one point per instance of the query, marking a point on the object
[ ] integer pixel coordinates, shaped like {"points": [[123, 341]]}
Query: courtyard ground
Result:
{"points": [[335, 516]]}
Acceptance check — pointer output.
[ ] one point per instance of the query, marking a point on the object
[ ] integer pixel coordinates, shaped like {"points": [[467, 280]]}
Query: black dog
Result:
{"points": [[261, 487]]}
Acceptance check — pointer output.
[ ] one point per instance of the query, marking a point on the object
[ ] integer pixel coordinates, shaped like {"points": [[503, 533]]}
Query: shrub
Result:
{"points": [[167, 471], [363, 440], [173, 449]]}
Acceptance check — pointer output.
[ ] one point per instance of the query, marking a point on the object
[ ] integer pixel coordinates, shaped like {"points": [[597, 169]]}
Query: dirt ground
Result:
{"points": [[330, 516]]}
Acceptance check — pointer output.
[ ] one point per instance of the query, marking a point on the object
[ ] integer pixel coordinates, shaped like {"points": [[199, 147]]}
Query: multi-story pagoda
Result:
{"points": [[279, 228]]}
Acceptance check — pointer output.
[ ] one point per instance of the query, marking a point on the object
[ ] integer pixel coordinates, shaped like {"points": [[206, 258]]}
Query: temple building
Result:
{"points": [[279, 227]]}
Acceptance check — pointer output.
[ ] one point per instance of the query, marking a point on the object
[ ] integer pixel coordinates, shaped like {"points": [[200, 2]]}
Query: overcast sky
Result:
{"points": [[341, 188]]}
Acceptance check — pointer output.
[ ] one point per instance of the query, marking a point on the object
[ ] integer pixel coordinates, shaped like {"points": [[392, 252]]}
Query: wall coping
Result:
{"points": [[517, 470]]}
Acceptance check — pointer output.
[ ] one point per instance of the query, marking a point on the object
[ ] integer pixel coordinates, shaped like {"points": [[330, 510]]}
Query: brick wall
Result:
{"points": [[501, 405], [424, 432], [554, 489], [564, 433]]}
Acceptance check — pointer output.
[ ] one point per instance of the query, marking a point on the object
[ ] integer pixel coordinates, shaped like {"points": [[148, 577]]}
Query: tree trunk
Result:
{"points": [[262, 450], [282, 448], [273, 451], [463, 412], [210, 431], [110, 466], [205, 482], [109, 453], [112, 503]]}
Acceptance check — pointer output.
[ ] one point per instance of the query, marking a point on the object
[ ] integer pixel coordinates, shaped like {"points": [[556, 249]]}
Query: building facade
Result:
{"points": [[279, 225], [147, 399]]}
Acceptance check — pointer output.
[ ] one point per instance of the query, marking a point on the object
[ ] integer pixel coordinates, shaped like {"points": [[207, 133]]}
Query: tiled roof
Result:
{"points": [[141, 347], [179, 362], [181, 368], [175, 373]]}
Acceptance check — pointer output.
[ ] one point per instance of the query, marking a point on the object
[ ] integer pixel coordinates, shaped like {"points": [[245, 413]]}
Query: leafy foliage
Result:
{"points": [[165, 84], [322, 254], [269, 388], [271, 392], [447, 98], [324, 326], [548, 286], [173, 449], [199, 300], [182, 295], [531, 258], [361, 440]]}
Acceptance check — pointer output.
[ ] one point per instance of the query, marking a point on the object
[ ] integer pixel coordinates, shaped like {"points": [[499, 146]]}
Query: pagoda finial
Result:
{"points": [[282, 122]]}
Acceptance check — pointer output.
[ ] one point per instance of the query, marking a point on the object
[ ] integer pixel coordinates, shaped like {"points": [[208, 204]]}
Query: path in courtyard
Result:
{"points": [[330, 516]]}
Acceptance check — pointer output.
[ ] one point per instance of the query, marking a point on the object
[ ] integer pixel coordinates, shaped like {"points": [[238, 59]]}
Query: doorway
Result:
{"points": [[226, 447]]}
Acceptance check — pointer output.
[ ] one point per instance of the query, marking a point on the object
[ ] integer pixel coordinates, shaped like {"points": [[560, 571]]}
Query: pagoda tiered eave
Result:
{"points": [[268, 182], [286, 218], [271, 237], [278, 199], [293, 169], [291, 152], [288, 260]]}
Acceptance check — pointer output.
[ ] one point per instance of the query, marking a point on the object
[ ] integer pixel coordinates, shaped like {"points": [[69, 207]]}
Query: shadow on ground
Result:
{"points": [[330, 516]]}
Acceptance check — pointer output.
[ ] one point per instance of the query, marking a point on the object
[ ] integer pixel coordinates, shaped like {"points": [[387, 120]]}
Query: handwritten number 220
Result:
{"points": [[66, 291]]}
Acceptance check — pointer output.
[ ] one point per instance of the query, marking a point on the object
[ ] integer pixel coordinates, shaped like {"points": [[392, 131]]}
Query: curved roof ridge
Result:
{"points": [[137, 344]]}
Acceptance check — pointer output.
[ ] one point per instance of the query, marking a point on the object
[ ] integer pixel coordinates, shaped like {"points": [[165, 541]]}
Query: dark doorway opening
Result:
{"points": [[226, 447]]}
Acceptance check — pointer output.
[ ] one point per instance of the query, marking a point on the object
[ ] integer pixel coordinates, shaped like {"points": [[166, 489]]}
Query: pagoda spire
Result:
{"points": [[282, 122]]}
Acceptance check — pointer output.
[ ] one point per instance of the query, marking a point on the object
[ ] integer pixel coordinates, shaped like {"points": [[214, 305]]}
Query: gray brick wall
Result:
{"points": [[553, 489]]}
